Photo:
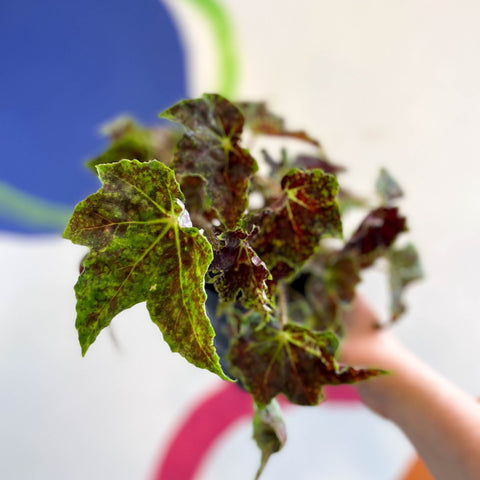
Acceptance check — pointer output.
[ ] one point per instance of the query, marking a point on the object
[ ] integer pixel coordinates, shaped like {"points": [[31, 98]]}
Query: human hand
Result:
{"points": [[366, 344], [441, 420]]}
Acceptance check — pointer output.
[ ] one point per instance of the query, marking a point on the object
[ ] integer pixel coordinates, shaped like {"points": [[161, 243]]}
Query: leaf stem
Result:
{"points": [[283, 303]]}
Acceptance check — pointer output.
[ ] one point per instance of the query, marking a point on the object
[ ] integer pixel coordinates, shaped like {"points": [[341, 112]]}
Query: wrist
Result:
{"points": [[383, 394]]}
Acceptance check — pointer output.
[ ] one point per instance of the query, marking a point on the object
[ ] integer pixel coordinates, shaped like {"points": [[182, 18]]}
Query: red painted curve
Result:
{"points": [[210, 419]]}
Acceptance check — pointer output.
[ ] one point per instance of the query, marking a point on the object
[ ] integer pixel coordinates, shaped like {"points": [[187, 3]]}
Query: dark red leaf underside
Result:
{"points": [[375, 234], [241, 274]]}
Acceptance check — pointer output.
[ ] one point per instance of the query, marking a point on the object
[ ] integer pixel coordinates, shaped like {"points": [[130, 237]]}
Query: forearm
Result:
{"points": [[442, 421]]}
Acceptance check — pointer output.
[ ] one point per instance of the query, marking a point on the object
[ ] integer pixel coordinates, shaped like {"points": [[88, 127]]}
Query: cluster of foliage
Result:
{"points": [[172, 226]]}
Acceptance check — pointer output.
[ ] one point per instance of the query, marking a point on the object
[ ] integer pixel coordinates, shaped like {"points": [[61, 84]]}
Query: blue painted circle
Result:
{"points": [[67, 67]]}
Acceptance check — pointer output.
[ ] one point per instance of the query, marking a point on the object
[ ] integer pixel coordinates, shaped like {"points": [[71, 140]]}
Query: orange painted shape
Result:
{"points": [[417, 471]]}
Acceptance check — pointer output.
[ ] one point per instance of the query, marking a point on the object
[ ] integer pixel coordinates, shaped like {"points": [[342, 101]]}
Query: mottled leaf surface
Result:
{"points": [[405, 268], [210, 149], [269, 432], [136, 144], [291, 360], [290, 230], [375, 234], [141, 249], [261, 121], [131, 141], [240, 273], [332, 289]]}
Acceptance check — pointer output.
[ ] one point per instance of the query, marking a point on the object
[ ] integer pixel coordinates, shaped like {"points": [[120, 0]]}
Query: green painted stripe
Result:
{"points": [[28, 210], [224, 40]]}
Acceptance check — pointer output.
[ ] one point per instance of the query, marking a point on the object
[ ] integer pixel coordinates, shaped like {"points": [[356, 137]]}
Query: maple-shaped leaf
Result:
{"points": [[291, 360], [375, 234], [130, 141], [143, 249], [331, 289], [290, 229], [405, 268], [269, 432], [210, 149], [240, 273], [261, 121], [387, 187]]}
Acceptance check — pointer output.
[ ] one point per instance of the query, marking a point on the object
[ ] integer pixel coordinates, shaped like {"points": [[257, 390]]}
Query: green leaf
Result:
{"points": [[387, 188], [130, 141], [241, 274], [291, 360], [269, 432], [375, 235], [136, 144], [331, 289], [289, 231], [405, 268], [210, 150], [261, 121], [142, 249]]}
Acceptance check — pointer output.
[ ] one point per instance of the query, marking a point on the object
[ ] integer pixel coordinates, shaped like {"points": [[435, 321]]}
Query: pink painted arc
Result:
{"points": [[207, 421]]}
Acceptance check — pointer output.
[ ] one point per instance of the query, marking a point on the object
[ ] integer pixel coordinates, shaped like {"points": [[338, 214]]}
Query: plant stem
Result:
{"points": [[283, 303]]}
